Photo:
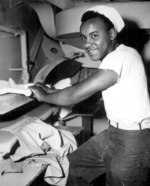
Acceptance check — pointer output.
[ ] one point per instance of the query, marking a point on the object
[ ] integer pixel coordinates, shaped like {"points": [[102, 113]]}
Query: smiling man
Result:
{"points": [[123, 150]]}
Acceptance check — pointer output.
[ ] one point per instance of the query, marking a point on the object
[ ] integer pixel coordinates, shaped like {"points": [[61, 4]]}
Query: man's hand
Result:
{"points": [[46, 87], [38, 92]]}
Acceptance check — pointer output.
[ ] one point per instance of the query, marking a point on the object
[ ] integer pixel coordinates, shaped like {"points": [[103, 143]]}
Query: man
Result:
{"points": [[123, 150]]}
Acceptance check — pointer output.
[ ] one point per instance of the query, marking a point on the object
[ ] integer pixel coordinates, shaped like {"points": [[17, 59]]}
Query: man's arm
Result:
{"points": [[99, 81]]}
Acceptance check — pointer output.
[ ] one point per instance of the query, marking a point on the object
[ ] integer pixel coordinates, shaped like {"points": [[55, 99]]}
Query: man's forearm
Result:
{"points": [[60, 97]]}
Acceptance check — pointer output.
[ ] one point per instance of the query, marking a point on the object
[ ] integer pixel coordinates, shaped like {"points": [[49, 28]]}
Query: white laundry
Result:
{"points": [[11, 87], [41, 144]]}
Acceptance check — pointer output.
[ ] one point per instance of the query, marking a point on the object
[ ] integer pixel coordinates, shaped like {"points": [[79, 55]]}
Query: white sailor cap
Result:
{"points": [[111, 13]]}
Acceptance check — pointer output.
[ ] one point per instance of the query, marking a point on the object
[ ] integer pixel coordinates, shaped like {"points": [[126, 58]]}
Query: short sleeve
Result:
{"points": [[113, 61]]}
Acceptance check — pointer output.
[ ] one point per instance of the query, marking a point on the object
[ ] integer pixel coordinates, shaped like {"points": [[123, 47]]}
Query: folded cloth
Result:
{"points": [[7, 142], [45, 144], [12, 87], [30, 170], [8, 166], [63, 83]]}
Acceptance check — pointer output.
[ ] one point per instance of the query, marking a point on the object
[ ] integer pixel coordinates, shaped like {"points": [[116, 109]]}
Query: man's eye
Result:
{"points": [[82, 38], [94, 36]]}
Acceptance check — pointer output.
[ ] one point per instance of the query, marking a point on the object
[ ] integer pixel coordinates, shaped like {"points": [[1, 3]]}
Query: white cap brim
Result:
{"points": [[111, 13]]}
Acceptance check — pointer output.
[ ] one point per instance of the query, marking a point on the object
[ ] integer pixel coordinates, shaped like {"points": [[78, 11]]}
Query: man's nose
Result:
{"points": [[87, 43]]}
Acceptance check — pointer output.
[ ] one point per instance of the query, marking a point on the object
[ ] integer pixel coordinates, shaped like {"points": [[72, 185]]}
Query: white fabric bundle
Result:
{"points": [[39, 144]]}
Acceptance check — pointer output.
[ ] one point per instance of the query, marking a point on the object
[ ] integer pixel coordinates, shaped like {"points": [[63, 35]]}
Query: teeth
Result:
{"points": [[91, 50]]}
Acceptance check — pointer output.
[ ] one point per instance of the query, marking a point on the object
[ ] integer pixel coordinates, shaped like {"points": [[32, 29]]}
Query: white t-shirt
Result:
{"points": [[127, 100]]}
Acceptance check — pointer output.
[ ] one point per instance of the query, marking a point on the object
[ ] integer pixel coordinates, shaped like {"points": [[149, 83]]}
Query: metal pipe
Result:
{"points": [[24, 58]]}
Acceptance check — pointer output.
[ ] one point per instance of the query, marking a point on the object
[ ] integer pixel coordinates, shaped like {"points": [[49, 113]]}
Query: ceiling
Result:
{"points": [[65, 4], [62, 4]]}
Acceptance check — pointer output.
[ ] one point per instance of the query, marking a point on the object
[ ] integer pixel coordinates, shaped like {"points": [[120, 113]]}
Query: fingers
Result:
{"points": [[39, 84], [32, 89], [45, 87]]}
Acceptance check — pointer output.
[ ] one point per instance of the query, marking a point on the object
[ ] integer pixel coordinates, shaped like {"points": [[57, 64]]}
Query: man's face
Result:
{"points": [[96, 38]]}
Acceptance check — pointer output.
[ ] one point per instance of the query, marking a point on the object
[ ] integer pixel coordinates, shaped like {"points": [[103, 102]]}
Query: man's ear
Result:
{"points": [[113, 34]]}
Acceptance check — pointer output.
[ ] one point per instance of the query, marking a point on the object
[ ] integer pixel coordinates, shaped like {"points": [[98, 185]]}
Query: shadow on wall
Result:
{"points": [[133, 36]]}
